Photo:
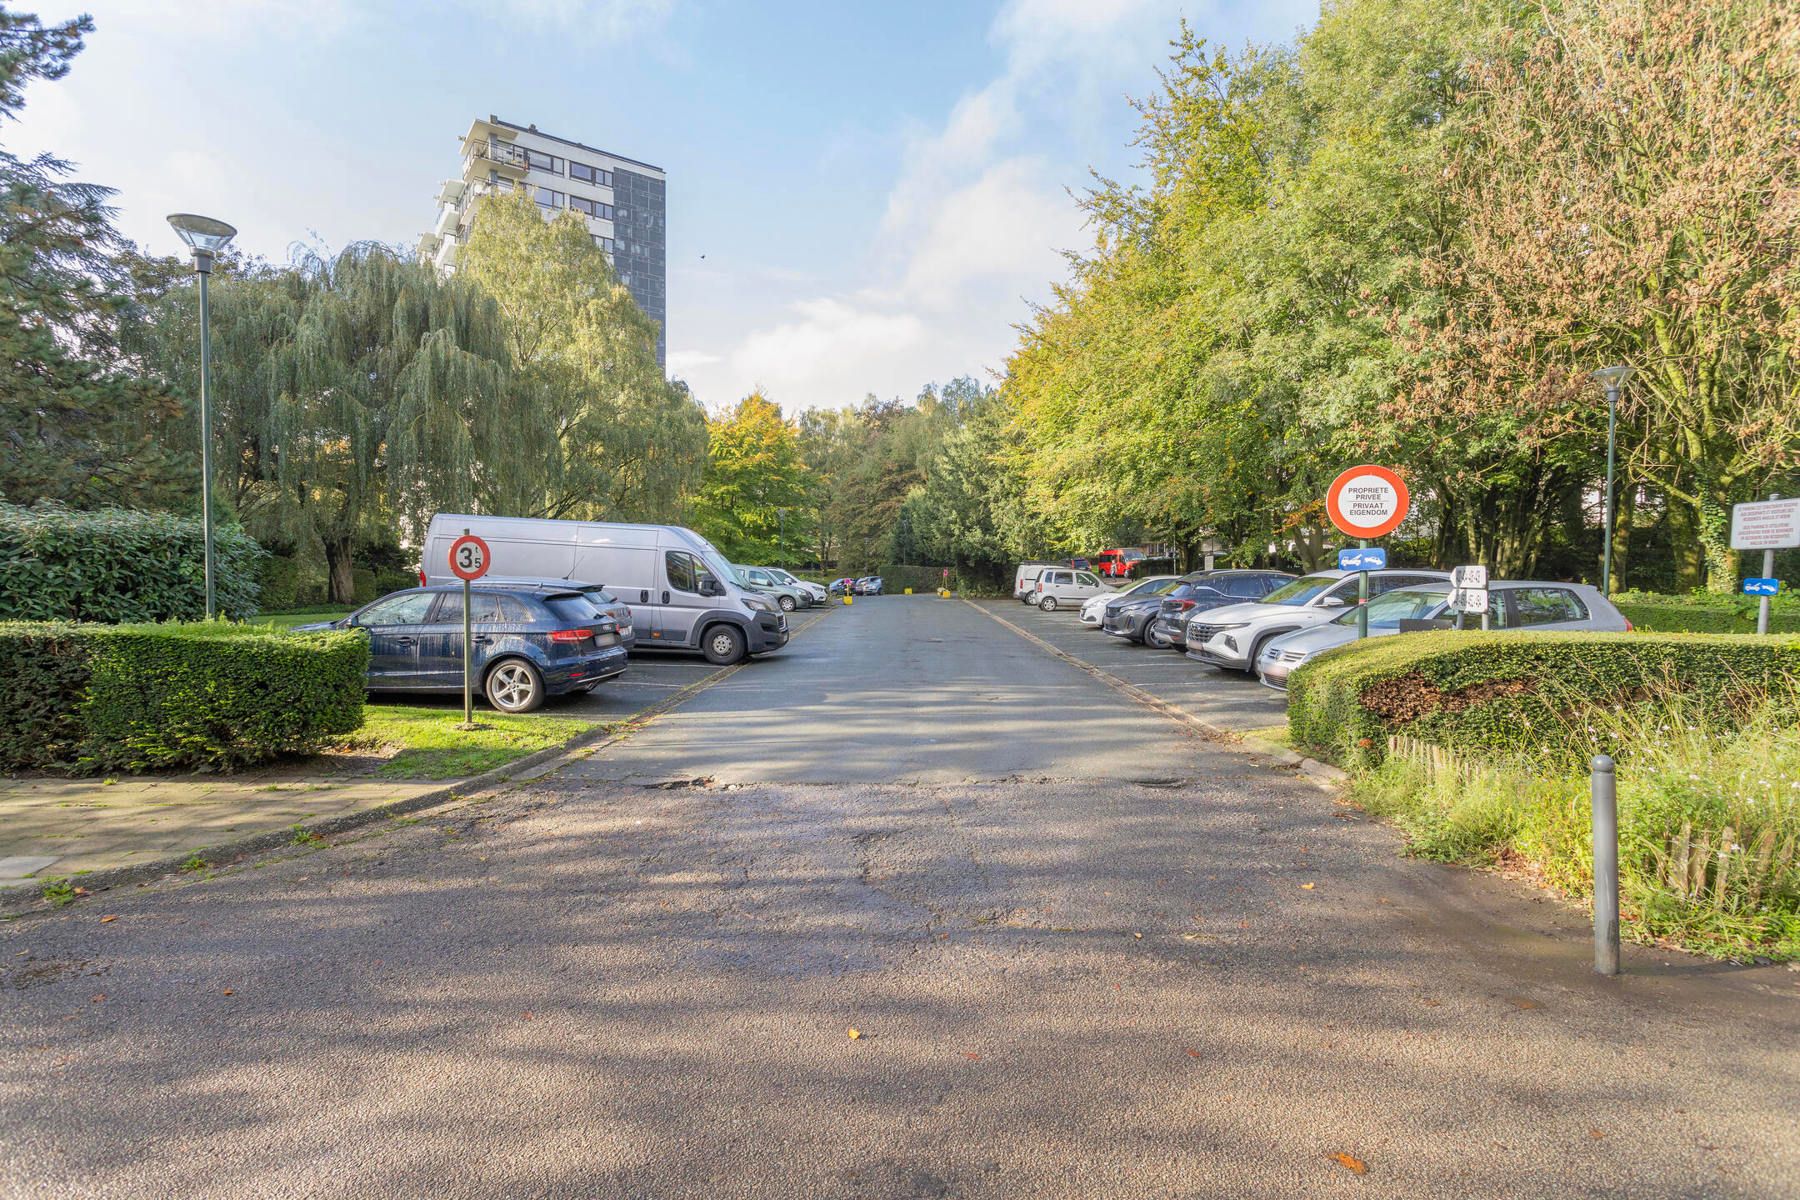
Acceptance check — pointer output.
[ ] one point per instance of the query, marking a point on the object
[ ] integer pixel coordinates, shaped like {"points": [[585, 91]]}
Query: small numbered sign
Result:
{"points": [[469, 557], [1469, 577], [1469, 600]]}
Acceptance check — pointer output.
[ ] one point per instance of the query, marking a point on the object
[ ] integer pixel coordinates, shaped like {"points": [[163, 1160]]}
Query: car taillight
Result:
{"points": [[1629, 627], [422, 582], [1184, 605], [571, 635]]}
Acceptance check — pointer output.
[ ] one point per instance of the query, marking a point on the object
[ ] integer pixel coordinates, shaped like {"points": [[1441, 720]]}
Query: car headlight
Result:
{"points": [[1234, 625], [757, 604]]}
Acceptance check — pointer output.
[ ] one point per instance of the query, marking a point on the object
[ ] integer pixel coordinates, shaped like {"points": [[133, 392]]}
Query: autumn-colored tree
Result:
{"points": [[755, 482], [1629, 189]]}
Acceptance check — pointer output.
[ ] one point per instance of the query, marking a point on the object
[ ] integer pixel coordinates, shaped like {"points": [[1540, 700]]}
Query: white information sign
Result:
{"points": [[1468, 577], [1765, 525], [1469, 600]]}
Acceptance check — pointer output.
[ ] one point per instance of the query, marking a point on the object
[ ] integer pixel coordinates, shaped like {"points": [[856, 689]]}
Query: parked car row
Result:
{"points": [[565, 603], [1267, 623], [850, 585]]}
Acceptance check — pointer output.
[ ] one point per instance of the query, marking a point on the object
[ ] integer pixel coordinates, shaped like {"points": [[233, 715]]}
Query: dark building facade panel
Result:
{"points": [[640, 226]]}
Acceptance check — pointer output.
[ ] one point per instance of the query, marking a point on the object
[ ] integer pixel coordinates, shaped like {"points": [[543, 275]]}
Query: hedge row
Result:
{"points": [[206, 696], [1677, 617], [1521, 696], [116, 565]]}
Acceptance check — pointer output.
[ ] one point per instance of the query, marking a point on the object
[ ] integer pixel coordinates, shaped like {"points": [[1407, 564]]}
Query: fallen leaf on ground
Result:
{"points": [[107, 920], [1308, 886], [1138, 936], [526, 1015], [971, 1056], [1596, 1133], [1191, 1052], [81, 891], [226, 992], [1349, 1162], [1522, 1002], [855, 1033], [98, 997]]}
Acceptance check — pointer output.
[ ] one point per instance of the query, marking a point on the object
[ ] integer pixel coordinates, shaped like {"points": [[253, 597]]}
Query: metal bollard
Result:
{"points": [[1606, 866]]}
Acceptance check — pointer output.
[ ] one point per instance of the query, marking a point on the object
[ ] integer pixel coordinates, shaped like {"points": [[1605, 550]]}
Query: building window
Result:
{"points": [[589, 174], [605, 243], [539, 161], [549, 199], [592, 208]]}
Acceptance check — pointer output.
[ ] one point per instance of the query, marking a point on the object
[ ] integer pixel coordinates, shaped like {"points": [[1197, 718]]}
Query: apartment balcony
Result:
{"points": [[446, 222], [445, 258], [488, 154], [428, 246], [451, 193]]}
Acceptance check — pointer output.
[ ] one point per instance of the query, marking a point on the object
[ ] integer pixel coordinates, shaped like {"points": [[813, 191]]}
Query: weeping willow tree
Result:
{"points": [[354, 395], [628, 443], [392, 400]]}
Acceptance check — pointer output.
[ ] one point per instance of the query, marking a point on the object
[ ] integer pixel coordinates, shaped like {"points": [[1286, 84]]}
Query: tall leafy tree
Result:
{"points": [[628, 443], [75, 428]]}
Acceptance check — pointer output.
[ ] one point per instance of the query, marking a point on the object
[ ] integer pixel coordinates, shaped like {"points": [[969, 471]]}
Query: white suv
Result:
{"points": [[1233, 636], [1058, 586]]}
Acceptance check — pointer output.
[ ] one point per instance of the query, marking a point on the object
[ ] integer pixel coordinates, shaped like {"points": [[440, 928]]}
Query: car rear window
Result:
{"points": [[574, 609], [1300, 590]]}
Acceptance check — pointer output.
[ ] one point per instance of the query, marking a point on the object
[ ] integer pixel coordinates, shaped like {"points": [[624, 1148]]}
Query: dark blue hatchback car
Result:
{"points": [[531, 641]]}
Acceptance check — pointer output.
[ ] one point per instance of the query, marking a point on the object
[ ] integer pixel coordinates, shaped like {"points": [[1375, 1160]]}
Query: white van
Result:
{"points": [[682, 593]]}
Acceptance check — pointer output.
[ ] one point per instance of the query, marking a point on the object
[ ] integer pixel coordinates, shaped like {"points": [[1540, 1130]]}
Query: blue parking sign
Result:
{"points": [[1370, 558], [1761, 587]]}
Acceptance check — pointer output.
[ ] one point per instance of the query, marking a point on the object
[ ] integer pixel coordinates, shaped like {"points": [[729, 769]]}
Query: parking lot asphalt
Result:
{"points": [[1226, 699], [739, 954]]}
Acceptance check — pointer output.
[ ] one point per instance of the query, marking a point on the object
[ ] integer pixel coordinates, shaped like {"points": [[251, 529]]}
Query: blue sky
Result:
{"points": [[879, 189]]}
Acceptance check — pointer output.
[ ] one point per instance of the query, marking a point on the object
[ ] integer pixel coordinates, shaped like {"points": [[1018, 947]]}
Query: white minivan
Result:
{"points": [[1058, 586], [682, 593]]}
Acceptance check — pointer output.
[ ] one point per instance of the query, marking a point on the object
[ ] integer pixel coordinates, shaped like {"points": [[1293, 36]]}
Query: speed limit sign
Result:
{"points": [[469, 557]]}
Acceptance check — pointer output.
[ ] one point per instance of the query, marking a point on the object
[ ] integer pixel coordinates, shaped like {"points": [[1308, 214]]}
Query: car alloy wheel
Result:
{"points": [[786, 602], [1048, 604], [1152, 638], [514, 687]]}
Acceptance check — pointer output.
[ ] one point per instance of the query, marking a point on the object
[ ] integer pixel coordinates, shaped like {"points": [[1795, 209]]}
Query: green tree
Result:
{"points": [[751, 501], [75, 427], [628, 444]]}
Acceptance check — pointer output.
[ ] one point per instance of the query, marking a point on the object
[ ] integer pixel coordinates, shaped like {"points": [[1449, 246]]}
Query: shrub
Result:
{"points": [[1709, 821], [1519, 695], [118, 565], [94, 697], [1706, 612]]}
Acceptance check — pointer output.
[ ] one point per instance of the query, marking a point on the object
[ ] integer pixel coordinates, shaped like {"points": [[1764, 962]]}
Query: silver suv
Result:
{"points": [[1233, 636]]}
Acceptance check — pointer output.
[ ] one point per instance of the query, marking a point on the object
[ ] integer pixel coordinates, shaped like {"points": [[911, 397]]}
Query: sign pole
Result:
{"points": [[468, 658], [1762, 604], [1362, 597]]}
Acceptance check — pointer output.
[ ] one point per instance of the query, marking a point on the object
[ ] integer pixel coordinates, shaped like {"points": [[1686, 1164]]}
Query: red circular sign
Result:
{"points": [[469, 557], [1367, 502]]}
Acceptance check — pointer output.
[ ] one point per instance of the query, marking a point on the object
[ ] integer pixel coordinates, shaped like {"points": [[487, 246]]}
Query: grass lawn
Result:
{"points": [[282, 620], [433, 748]]}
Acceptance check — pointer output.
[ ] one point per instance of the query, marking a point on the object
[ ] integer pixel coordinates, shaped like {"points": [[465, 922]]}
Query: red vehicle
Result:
{"points": [[1118, 563]]}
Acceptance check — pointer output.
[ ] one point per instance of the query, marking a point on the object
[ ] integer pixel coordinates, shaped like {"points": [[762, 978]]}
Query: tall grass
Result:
{"points": [[1709, 816]]}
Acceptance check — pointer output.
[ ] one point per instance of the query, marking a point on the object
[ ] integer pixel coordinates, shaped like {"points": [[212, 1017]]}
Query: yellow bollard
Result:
{"points": [[846, 597], [909, 591]]}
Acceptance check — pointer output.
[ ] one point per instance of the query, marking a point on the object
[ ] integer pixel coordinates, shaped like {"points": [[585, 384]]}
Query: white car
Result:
{"points": [[1234, 636], [1058, 586], [1094, 611], [814, 591], [1512, 604]]}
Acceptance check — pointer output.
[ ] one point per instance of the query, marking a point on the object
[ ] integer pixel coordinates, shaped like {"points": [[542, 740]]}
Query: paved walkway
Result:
{"points": [[51, 828]]}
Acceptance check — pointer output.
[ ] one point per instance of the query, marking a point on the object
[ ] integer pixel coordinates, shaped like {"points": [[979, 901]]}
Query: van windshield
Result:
{"points": [[1300, 590]]}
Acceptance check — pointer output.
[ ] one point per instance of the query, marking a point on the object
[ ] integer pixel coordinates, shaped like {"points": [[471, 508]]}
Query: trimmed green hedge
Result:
{"points": [[1519, 695], [1676, 617], [138, 697], [118, 565]]}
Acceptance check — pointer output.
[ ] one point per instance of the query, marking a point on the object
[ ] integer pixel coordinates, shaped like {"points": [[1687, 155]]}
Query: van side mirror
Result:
{"points": [[711, 587]]}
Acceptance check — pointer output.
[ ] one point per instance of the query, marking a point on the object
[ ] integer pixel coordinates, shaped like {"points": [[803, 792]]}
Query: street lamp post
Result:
{"points": [[1612, 378], [206, 238]]}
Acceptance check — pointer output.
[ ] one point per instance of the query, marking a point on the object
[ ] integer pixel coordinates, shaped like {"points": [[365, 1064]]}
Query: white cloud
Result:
{"points": [[602, 20], [973, 226]]}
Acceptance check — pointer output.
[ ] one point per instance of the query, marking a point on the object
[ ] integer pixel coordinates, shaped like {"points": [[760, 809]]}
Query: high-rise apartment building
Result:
{"points": [[622, 199]]}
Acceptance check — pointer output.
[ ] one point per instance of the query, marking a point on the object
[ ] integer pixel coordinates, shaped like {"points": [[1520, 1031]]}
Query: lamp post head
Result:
{"points": [[205, 236], [1612, 378]]}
